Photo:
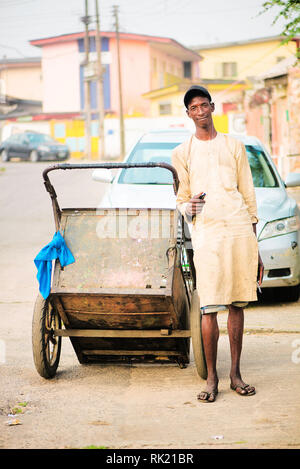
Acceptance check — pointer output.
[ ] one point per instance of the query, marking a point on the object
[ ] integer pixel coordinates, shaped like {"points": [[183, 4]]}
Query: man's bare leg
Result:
{"points": [[235, 325], [210, 337]]}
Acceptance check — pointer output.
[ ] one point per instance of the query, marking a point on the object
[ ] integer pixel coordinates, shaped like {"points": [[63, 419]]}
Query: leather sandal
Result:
{"points": [[245, 390], [206, 397]]}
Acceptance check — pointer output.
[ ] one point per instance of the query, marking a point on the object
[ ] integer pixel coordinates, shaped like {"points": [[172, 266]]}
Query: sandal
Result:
{"points": [[205, 396], [245, 390]]}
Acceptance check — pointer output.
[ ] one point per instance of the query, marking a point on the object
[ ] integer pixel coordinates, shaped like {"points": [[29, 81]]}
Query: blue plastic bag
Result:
{"points": [[57, 248]]}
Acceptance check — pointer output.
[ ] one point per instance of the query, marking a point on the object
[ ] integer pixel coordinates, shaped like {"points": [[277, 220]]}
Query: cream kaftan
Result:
{"points": [[225, 246]]}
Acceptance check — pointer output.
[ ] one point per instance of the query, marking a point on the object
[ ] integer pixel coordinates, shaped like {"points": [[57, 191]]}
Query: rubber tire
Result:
{"points": [[4, 156], [45, 368], [293, 293], [198, 351], [280, 294], [34, 157], [287, 294]]}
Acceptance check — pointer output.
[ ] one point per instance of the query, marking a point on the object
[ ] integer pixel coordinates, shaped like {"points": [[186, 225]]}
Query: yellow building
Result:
{"points": [[227, 70], [243, 59], [21, 78], [168, 101]]}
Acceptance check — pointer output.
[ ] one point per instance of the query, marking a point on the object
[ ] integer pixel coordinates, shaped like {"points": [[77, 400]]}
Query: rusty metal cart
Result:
{"points": [[129, 295]]}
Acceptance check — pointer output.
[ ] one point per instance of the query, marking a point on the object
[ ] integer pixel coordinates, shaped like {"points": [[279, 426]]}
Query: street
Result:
{"points": [[128, 406]]}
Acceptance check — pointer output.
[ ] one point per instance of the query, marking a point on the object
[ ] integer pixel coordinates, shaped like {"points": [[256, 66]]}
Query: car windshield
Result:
{"points": [[40, 138], [156, 152], [152, 152], [262, 172]]}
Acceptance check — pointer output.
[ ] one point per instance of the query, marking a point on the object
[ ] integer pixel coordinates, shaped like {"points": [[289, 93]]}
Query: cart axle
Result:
{"points": [[121, 333]]}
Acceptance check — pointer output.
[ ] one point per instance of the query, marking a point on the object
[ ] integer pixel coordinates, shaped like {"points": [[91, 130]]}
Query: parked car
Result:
{"points": [[278, 229], [33, 146]]}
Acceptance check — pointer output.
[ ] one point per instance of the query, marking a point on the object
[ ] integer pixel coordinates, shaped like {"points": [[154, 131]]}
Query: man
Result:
{"points": [[216, 193]]}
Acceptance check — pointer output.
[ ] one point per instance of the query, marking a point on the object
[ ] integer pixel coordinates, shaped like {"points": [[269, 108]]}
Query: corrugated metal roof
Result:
{"points": [[281, 68]]}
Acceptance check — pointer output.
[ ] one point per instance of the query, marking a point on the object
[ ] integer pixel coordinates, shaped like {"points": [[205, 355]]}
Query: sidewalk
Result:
{"points": [[267, 318]]}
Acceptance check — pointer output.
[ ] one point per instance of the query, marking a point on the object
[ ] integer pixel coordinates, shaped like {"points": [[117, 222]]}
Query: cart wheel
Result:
{"points": [[46, 348], [195, 318]]}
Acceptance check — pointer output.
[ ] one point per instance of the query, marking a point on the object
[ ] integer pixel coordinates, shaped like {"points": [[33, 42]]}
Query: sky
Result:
{"points": [[190, 22]]}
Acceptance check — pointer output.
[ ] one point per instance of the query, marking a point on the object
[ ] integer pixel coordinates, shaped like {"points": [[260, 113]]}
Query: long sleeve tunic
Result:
{"points": [[225, 246]]}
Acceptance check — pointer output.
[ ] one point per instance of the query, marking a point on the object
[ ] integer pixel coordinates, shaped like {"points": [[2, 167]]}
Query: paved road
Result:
{"points": [[141, 406]]}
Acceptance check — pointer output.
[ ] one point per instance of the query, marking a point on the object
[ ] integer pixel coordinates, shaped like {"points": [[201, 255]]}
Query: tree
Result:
{"points": [[289, 10]]}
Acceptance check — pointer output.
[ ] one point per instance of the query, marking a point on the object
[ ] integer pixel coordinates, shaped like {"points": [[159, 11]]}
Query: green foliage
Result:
{"points": [[289, 10]]}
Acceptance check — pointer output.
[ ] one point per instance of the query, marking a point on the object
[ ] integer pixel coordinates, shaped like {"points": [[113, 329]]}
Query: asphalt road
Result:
{"points": [[140, 406]]}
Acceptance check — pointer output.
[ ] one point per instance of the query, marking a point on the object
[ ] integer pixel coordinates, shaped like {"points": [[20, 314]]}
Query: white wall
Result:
{"points": [[17, 127], [135, 128]]}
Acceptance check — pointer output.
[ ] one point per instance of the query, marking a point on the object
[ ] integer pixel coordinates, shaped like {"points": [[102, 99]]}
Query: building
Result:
{"points": [[242, 60], [21, 78], [227, 70], [168, 101], [147, 62], [231, 69], [20, 92], [273, 113]]}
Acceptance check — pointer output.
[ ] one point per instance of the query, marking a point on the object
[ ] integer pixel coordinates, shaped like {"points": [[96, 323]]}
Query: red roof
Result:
{"points": [[80, 35], [111, 34]]}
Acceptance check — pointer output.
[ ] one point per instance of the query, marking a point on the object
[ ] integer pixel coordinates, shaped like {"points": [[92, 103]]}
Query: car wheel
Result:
{"points": [[4, 156], [289, 294], [282, 294], [34, 157]]}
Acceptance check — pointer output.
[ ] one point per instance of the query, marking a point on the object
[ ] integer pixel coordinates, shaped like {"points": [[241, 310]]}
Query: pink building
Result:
{"points": [[147, 63]]}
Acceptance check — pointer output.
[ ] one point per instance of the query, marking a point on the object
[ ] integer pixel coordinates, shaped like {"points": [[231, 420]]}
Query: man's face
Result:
{"points": [[200, 111]]}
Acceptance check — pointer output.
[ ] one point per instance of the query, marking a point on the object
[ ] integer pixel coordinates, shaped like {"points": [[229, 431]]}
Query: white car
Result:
{"points": [[278, 229]]}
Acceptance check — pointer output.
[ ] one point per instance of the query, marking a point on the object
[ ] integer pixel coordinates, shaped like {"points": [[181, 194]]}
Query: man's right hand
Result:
{"points": [[195, 205]]}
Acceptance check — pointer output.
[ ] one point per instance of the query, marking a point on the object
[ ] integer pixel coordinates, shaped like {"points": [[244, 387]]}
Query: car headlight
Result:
{"points": [[280, 227], [43, 148]]}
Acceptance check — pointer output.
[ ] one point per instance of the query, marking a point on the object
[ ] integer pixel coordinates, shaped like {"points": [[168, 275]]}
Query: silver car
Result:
{"points": [[278, 229]]}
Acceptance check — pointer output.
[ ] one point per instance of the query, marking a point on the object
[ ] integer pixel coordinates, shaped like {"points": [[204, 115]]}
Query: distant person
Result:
{"points": [[224, 240]]}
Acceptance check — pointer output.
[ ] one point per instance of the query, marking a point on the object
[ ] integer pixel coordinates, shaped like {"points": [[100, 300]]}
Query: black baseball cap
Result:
{"points": [[193, 91]]}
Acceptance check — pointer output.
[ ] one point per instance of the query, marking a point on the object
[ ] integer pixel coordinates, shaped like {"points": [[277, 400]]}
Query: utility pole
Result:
{"points": [[87, 94], [101, 110], [122, 132]]}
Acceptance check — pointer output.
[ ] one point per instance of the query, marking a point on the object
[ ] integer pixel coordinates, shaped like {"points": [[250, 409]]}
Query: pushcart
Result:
{"points": [[130, 294]]}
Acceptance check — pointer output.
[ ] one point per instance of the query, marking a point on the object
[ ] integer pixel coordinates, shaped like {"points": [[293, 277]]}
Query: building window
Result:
{"points": [[187, 69], [165, 108], [229, 69], [162, 74], [154, 66], [226, 70]]}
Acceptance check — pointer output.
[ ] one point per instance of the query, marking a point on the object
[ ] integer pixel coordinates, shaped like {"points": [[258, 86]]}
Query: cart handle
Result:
{"points": [[51, 190]]}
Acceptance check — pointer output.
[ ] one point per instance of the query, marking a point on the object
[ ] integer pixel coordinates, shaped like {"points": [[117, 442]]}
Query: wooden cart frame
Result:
{"points": [[126, 297]]}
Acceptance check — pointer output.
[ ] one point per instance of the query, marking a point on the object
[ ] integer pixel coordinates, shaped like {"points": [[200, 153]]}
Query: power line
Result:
{"points": [[13, 48]]}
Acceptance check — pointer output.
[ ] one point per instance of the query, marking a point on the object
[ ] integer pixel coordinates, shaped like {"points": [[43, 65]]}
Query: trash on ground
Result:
{"points": [[13, 422]]}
